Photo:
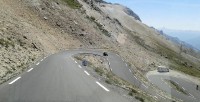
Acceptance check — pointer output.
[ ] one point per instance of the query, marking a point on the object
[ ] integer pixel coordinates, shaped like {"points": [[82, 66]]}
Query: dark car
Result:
{"points": [[105, 54], [84, 63]]}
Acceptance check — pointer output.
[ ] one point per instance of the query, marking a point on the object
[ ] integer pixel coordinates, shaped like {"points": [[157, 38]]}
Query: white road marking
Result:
{"points": [[145, 86], [183, 88], [192, 96], [41, 59], [30, 70], [102, 86], [75, 61], [156, 97], [130, 70], [15, 80], [126, 65], [86, 72], [75, 22], [79, 66], [111, 69], [135, 77], [38, 63], [117, 55], [161, 96]]}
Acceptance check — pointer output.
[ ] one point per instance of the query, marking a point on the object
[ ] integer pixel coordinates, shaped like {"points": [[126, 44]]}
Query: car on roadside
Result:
{"points": [[162, 69], [105, 54]]}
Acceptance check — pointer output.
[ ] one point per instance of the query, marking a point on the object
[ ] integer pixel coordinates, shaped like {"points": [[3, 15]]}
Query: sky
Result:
{"points": [[168, 14]]}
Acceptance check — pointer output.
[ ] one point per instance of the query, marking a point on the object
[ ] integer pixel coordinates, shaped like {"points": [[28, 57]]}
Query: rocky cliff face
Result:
{"points": [[30, 29], [131, 13]]}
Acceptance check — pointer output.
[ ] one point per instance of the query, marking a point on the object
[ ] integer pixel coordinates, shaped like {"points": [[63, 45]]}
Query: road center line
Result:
{"points": [[144, 85], [135, 77], [161, 96], [102, 86], [130, 70], [38, 63], [15, 80], [156, 97], [79, 66], [30, 70], [86, 72]]}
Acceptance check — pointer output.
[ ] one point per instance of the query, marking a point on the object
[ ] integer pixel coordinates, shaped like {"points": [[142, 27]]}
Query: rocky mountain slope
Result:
{"points": [[30, 29]]}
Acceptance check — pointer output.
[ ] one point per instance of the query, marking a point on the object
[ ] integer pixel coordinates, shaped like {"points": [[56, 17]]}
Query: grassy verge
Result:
{"points": [[112, 79], [176, 86], [6, 43], [73, 4]]}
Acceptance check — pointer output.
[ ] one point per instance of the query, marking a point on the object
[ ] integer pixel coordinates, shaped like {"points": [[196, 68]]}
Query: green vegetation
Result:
{"points": [[176, 86], [118, 22], [108, 81], [73, 4], [99, 71], [6, 43], [177, 61], [132, 92], [112, 79], [139, 98], [100, 26]]}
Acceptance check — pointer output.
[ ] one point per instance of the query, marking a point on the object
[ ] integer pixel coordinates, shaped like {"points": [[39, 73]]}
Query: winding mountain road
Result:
{"points": [[189, 87], [59, 78]]}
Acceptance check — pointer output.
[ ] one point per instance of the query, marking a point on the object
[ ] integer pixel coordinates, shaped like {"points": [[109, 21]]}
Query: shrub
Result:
{"points": [[73, 4], [108, 81], [139, 98], [6, 43], [99, 71]]}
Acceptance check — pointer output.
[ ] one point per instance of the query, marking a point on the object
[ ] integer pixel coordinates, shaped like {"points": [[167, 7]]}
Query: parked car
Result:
{"points": [[105, 54], [162, 69]]}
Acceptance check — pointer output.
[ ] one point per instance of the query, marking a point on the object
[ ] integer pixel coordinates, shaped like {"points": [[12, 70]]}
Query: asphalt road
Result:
{"points": [[57, 78], [188, 86]]}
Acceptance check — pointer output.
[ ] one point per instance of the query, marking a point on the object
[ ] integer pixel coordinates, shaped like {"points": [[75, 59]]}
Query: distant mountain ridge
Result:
{"points": [[131, 13], [190, 37]]}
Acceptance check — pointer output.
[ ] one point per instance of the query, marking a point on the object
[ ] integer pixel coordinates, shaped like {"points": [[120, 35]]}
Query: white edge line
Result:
{"points": [[15, 80], [79, 66], [75, 62], [130, 71], [86, 72], [41, 59], [135, 77], [144, 85], [102, 86], [161, 96], [156, 97], [30, 70], [38, 63]]}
